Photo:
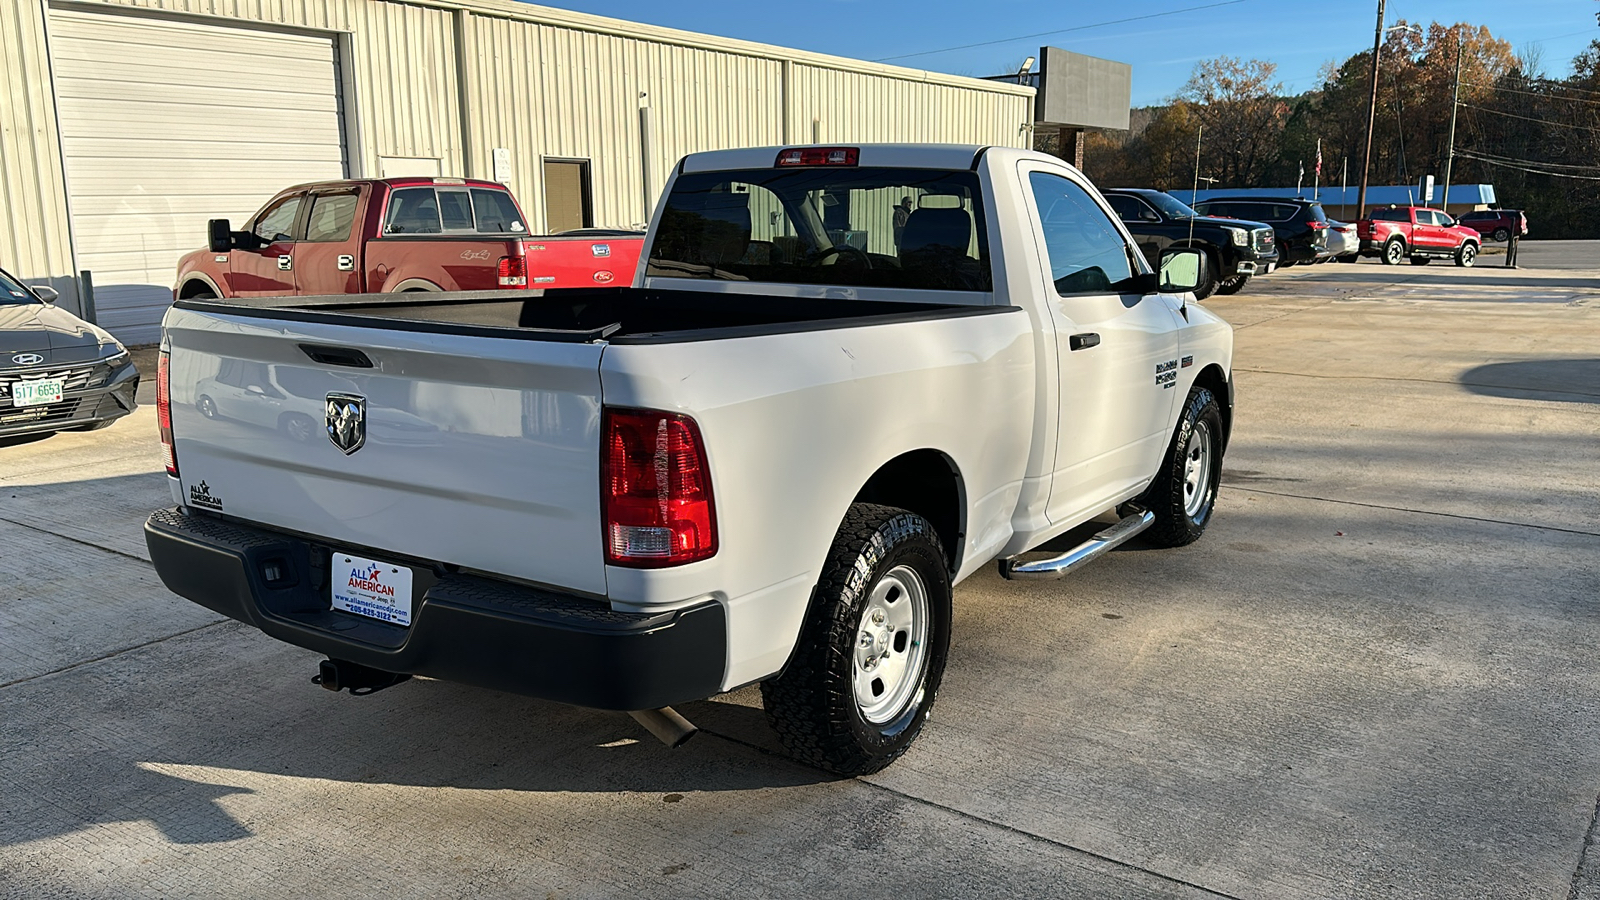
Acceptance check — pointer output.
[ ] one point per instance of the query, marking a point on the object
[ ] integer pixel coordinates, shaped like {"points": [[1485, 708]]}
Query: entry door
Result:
{"points": [[327, 259], [1114, 347], [269, 270], [566, 196]]}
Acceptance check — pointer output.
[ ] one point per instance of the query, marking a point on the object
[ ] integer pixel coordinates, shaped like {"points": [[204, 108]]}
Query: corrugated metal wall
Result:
{"points": [[537, 81], [33, 194]]}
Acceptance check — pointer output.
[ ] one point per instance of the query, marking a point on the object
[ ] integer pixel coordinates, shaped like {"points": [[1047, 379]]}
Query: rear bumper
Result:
{"points": [[465, 628]]}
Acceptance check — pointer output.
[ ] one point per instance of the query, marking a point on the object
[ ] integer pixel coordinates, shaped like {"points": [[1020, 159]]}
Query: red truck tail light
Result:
{"points": [[818, 156], [164, 412], [513, 271], [656, 490]]}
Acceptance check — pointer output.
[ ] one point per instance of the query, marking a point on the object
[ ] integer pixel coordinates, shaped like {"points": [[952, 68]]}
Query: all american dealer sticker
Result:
{"points": [[367, 587]]}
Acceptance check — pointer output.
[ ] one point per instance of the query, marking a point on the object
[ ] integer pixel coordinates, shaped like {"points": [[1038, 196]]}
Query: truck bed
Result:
{"points": [[623, 315]]}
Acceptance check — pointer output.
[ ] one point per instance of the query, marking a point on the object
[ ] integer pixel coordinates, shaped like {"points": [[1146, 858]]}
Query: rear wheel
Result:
{"points": [[1394, 252], [1467, 255], [298, 427], [1502, 234], [872, 650], [1233, 285], [1185, 488]]}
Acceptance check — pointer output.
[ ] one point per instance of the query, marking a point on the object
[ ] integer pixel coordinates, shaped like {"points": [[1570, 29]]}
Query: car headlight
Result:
{"points": [[1240, 238], [118, 356]]}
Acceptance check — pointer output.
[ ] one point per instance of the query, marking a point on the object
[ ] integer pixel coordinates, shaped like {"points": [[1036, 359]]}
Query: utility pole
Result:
{"points": [[1455, 100], [1372, 113]]}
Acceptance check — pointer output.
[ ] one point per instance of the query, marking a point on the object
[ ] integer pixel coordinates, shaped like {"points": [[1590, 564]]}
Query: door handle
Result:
{"points": [[285, 263], [347, 263], [1083, 341]]}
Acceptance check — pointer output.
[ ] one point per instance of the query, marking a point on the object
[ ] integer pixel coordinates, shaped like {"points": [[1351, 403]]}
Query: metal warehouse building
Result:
{"points": [[126, 124]]}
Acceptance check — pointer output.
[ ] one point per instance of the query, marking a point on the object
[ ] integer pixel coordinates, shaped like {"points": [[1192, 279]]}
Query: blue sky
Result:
{"points": [[1298, 36]]}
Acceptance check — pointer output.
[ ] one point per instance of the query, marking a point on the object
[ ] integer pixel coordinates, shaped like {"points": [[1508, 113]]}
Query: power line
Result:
{"points": [[1023, 37], [1529, 118], [1547, 96], [1507, 165], [1540, 162]]}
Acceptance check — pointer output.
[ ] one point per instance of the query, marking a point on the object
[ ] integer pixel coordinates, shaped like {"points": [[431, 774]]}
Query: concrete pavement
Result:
{"points": [[1375, 676]]}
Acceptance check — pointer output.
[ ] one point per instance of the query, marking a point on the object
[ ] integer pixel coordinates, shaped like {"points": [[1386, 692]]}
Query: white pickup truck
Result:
{"points": [[843, 380]]}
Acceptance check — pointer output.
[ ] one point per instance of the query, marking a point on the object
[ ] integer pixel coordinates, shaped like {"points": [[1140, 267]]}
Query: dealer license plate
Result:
{"points": [[36, 393], [371, 588]]}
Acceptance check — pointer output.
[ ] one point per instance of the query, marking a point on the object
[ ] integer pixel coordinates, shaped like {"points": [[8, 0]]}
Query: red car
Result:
{"points": [[1416, 233], [1497, 224], [398, 234]]}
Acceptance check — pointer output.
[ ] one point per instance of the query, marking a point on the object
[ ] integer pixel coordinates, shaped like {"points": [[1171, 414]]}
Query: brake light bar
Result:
{"points": [[164, 412], [655, 490], [818, 156], [513, 271]]}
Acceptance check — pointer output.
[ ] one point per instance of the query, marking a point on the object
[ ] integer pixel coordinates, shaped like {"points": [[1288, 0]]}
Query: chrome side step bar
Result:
{"points": [[1011, 568]]}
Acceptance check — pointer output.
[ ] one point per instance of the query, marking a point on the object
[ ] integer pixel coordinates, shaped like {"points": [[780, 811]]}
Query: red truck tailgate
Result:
{"points": [[560, 261]]}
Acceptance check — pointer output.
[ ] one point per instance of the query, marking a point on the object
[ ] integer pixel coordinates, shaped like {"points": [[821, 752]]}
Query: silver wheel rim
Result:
{"points": [[1197, 469], [1467, 254], [1395, 252], [207, 408], [891, 648]]}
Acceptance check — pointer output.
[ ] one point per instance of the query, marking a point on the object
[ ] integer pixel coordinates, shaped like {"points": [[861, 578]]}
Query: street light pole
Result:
{"points": [[1372, 112], [1455, 100]]}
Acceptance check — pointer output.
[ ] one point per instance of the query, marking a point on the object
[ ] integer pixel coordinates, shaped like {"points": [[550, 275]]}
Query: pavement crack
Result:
{"points": [[118, 652], [973, 817], [67, 537], [1420, 512], [1589, 838]]}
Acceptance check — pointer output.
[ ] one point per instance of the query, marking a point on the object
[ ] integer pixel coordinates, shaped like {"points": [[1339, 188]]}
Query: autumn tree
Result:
{"points": [[1243, 113]]}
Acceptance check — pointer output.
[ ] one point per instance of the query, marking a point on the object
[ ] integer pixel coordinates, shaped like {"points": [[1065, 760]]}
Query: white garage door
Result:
{"points": [[168, 124]]}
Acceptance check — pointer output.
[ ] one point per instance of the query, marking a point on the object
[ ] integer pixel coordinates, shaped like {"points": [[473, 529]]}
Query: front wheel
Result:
{"points": [[207, 406], [1184, 491], [1467, 255], [1233, 285], [872, 649], [1394, 252]]}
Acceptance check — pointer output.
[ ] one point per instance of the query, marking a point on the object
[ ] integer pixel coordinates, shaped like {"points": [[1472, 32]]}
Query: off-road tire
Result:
{"points": [[1233, 285], [812, 703], [1467, 255], [1502, 235], [1177, 523], [1420, 260], [1394, 252]]}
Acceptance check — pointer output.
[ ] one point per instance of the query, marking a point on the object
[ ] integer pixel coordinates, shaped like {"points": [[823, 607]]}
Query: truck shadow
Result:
{"points": [[1568, 380]]}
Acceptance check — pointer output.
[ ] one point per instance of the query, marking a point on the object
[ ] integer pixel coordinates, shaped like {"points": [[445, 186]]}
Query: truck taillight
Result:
{"points": [[513, 271], [164, 412], [818, 156], [655, 490]]}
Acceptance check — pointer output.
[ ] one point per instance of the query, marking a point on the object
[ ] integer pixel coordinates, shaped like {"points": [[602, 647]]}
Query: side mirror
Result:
{"points": [[1182, 270], [257, 389], [219, 236], [46, 293]]}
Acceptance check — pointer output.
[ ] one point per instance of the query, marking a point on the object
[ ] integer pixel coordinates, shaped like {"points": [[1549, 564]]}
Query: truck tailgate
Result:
{"points": [[477, 451]]}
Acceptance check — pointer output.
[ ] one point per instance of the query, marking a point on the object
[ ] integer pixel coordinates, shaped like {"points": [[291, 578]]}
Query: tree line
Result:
{"points": [[1536, 139]]}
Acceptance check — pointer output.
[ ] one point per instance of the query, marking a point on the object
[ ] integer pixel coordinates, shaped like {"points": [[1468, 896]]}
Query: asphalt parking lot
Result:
{"points": [[1375, 676]]}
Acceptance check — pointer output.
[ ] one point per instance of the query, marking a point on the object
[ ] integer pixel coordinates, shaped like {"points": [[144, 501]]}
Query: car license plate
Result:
{"points": [[36, 393], [371, 588]]}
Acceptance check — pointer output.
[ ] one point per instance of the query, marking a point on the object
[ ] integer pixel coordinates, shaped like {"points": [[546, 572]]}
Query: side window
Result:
{"points": [[1126, 208], [276, 222], [412, 211], [1087, 253], [1439, 218], [331, 217]]}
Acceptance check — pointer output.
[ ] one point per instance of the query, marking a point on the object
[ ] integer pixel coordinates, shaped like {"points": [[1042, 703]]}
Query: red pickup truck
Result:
{"points": [[1416, 233], [398, 234]]}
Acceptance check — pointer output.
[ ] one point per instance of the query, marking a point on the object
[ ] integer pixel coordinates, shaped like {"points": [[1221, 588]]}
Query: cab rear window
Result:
{"points": [[453, 210], [859, 227]]}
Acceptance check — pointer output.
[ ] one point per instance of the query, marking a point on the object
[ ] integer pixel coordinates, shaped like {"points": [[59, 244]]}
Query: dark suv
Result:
{"points": [[1301, 225], [1158, 221], [1496, 224]]}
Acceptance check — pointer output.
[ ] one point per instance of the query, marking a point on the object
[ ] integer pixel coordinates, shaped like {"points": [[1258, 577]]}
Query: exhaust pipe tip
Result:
{"points": [[666, 725]]}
